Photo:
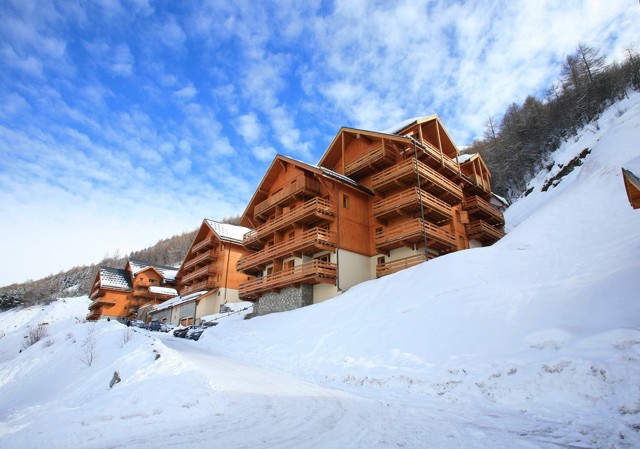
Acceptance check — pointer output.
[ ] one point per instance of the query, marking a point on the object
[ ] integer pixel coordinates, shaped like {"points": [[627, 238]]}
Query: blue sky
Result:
{"points": [[126, 121]]}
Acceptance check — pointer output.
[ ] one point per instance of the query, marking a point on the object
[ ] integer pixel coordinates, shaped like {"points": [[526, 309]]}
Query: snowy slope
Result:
{"points": [[531, 343]]}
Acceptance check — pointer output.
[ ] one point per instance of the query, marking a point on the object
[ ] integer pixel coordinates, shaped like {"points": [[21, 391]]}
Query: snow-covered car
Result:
{"points": [[195, 333], [138, 323], [181, 331], [167, 327]]}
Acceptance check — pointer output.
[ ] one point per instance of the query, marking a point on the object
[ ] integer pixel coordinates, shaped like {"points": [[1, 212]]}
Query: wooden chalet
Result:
{"points": [[210, 267], [376, 203], [632, 186], [119, 293]]}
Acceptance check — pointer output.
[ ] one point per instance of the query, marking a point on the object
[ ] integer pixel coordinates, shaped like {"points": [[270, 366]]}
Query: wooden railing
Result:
{"points": [[413, 231], [311, 240], [406, 173], [484, 232], [210, 241], [212, 254], [394, 266], [478, 206], [477, 181], [299, 186], [314, 272], [378, 157], [101, 300], [409, 200], [436, 156], [196, 274], [318, 207], [202, 285]]}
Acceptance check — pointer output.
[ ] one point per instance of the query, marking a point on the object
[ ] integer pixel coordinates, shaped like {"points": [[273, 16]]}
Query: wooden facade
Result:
{"points": [[632, 186], [376, 203], [120, 293], [210, 265]]}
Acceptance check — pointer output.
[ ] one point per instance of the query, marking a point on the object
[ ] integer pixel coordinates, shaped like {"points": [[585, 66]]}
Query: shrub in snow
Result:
{"points": [[36, 333], [89, 346]]}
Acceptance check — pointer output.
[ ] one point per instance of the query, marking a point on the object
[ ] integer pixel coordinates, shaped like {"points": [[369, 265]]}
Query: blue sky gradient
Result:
{"points": [[126, 121]]}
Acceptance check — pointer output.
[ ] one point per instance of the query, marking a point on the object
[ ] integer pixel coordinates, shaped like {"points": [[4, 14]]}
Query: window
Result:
{"points": [[324, 258], [269, 270], [288, 266], [345, 201], [292, 235], [381, 260]]}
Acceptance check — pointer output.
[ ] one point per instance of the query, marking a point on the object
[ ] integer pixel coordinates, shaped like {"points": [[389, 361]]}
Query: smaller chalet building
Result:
{"points": [[632, 186], [209, 267], [120, 293]]}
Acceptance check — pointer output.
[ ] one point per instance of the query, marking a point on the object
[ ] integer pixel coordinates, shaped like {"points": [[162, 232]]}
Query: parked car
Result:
{"points": [[137, 323], [154, 326], [167, 327], [181, 331], [195, 333]]}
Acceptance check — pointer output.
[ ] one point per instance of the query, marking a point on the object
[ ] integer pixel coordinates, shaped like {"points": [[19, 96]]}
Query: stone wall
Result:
{"points": [[158, 316], [286, 299]]}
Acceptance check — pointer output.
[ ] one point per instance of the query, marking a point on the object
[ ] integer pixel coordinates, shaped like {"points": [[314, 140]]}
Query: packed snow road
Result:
{"points": [[260, 408]]}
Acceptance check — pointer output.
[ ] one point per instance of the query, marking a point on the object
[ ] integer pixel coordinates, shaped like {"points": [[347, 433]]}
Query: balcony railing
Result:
{"points": [[376, 158], [101, 301], [312, 210], [413, 231], [437, 159], [394, 266], [210, 255], [313, 240], [406, 173], [409, 201], [198, 286], [209, 241], [480, 208], [314, 272], [203, 271], [484, 232], [299, 187]]}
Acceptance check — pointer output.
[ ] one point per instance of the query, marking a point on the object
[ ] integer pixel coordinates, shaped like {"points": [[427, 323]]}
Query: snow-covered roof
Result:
{"points": [[462, 158], [400, 126], [163, 290], [229, 232], [166, 271], [115, 278], [178, 300]]}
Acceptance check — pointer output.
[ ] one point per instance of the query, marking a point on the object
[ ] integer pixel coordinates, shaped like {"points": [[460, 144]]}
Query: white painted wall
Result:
{"points": [[353, 268]]}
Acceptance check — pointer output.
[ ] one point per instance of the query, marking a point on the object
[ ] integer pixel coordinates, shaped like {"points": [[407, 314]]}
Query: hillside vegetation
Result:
{"points": [[518, 145]]}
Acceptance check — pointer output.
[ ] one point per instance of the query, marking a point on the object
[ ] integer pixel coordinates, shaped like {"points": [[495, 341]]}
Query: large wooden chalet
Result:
{"points": [[119, 293], [376, 203]]}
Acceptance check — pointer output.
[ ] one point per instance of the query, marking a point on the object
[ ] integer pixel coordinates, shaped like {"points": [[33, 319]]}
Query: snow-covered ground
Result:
{"points": [[531, 343]]}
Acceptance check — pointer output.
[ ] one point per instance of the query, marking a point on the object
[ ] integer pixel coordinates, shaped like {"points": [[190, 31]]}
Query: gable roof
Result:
{"points": [[227, 232], [274, 170], [179, 300], [166, 271], [115, 278]]}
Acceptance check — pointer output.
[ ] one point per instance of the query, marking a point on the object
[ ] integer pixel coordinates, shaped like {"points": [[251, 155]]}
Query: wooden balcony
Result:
{"points": [[199, 286], [400, 264], [405, 174], [482, 209], [408, 203], [314, 272], [412, 232], [203, 258], [300, 187], [313, 240], [314, 210], [202, 271], [484, 232], [206, 243], [376, 158], [436, 159], [101, 301]]}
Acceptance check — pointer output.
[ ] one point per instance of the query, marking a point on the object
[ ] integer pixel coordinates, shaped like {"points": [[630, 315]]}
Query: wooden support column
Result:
{"points": [[342, 144], [439, 143]]}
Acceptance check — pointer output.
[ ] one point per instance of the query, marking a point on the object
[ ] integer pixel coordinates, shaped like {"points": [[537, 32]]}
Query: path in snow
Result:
{"points": [[260, 408]]}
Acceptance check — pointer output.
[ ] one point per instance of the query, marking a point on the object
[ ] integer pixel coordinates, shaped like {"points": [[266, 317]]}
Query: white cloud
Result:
{"points": [[172, 35], [263, 153], [249, 128], [122, 61], [186, 93]]}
